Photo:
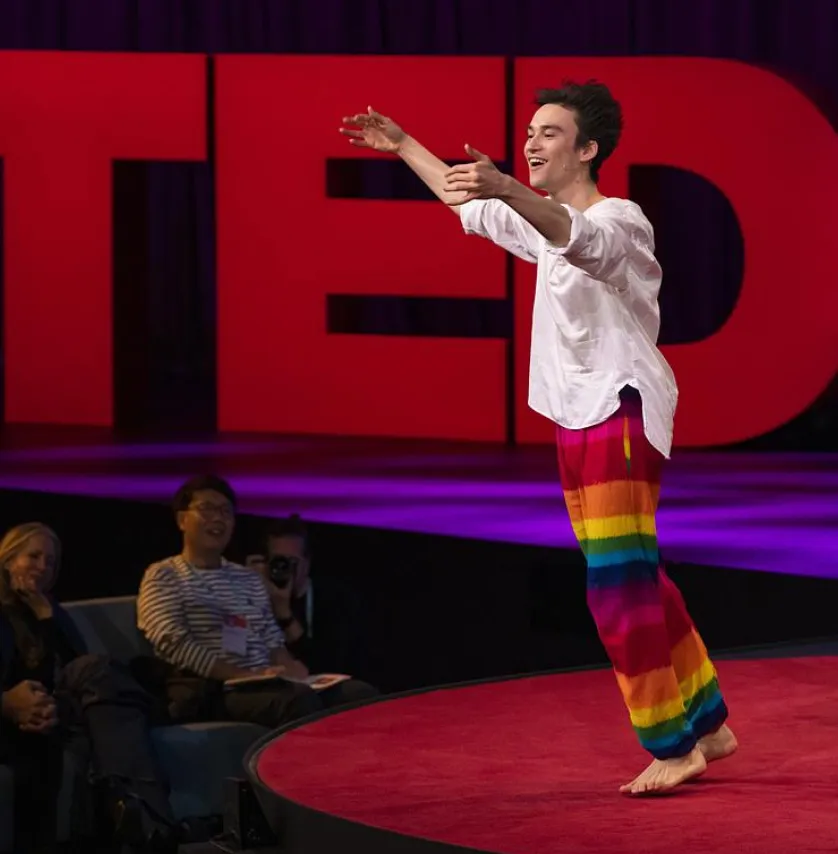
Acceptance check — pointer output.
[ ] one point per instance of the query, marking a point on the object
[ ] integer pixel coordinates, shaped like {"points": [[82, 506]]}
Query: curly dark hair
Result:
{"points": [[598, 116]]}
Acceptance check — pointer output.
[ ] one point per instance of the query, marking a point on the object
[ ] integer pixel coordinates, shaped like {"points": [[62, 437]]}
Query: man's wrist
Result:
{"points": [[404, 145], [506, 187], [285, 622], [282, 608]]}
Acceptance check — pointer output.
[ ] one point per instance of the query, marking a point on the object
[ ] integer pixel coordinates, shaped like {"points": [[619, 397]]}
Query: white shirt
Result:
{"points": [[181, 610], [595, 316]]}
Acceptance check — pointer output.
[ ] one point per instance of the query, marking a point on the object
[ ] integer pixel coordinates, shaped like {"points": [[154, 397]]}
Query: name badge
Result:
{"points": [[234, 635]]}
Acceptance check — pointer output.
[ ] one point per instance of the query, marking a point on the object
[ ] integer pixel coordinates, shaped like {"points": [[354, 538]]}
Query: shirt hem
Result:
{"points": [[663, 447]]}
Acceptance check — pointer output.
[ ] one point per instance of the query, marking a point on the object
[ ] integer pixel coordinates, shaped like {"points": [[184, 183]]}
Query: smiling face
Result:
{"points": [[553, 158], [207, 523], [32, 569]]}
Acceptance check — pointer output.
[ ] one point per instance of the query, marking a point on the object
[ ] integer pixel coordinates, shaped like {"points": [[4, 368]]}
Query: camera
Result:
{"points": [[282, 569]]}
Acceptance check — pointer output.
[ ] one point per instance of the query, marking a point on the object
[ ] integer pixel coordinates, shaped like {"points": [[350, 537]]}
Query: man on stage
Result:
{"points": [[596, 372]]}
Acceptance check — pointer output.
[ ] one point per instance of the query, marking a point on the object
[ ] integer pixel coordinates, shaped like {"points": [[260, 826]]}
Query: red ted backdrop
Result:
{"points": [[287, 244]]}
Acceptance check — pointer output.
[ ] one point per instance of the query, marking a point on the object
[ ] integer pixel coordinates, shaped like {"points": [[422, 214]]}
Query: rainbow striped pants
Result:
{"points": [[611, 480]]}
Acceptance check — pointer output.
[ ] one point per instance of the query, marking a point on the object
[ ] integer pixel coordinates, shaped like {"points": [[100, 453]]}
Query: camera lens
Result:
{"points": [[281, 569]]}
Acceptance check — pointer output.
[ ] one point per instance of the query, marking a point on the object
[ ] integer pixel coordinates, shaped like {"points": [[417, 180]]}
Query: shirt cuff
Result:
{"points": [[470, 216], [577, 229]]}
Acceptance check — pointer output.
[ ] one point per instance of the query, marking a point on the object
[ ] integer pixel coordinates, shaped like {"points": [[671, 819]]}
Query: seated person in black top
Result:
{"points": [[336, 644], [54, 696]]}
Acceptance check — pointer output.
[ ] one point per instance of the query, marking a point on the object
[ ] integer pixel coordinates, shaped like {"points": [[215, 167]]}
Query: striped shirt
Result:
{"points": [[181, 611]]}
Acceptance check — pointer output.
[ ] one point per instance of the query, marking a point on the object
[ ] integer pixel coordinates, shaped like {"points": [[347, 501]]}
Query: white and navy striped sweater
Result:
{"points": [[181, 612]]}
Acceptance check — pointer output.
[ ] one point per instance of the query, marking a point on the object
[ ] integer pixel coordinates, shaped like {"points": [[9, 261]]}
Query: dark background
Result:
{"points": [[405, 610], [164, 275]]}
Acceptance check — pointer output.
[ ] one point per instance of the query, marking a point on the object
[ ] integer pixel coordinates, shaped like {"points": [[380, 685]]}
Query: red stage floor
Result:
{"points": [[532, 766]]}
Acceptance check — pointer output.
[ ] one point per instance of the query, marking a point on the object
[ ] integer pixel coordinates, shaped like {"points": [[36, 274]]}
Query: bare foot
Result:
{"points": [[665, 774], [719, 744]]}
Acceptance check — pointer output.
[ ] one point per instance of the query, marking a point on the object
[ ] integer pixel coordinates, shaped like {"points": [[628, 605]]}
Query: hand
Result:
{"points": [[296, 670], [272, 671], [280, 596], [293, 668], [372, 130], [44, 721], [478, 180], [258, 562], [28, 589], [41, 606], [30, 706]]}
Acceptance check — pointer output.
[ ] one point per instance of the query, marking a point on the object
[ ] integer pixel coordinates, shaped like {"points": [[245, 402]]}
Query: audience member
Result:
{"points": [[299, 602], [56, 698], [211, 621]]}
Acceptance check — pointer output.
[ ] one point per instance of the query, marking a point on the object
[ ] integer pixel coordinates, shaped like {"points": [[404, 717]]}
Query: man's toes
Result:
{"points": [[630, 787]]}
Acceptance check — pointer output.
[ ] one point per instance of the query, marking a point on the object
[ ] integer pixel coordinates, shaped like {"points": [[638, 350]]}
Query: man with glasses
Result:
{"points": [[210, 621]]}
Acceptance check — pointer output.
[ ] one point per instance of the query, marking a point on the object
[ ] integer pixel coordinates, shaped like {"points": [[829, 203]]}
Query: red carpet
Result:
{"points": [[532, 766]]}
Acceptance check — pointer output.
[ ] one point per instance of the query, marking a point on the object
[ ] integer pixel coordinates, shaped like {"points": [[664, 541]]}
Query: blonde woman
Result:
{"points": [[37, 641], [52, 691]]}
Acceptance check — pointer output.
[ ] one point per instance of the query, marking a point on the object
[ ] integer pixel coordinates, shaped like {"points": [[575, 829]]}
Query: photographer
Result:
{"points": [[285, 568], [285, 572]]}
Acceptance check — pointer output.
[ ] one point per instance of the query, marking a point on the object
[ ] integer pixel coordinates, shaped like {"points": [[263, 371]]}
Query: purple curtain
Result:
{"points": [[165, 275]]}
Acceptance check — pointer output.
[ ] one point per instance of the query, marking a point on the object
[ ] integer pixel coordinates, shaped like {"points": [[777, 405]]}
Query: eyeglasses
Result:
{"points": [[207, 510]]}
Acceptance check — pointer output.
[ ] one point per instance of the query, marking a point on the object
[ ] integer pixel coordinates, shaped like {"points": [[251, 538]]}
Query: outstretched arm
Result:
{"points": [[431, 170], [493, 220], [548, 218], [372, 130], [604, 243], [483, 180]]}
